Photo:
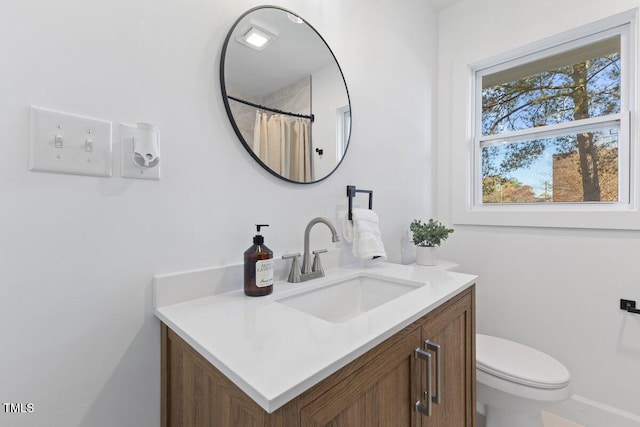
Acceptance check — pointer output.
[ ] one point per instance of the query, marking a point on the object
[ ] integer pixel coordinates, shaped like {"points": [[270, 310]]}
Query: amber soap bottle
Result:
{"points": [[258, 267]]}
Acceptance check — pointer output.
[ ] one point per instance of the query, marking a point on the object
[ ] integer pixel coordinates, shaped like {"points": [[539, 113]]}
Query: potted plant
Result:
{"points": [[427, 236]]}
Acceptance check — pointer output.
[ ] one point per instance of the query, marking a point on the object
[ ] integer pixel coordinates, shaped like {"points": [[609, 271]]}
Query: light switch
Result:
{"points": [[69, 143]]}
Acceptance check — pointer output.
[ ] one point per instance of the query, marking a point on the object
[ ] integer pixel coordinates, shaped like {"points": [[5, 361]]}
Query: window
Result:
{"points": [[343, 130], [551, 128]]}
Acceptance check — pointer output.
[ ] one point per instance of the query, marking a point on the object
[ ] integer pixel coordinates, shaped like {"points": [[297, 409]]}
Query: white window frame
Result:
{"points": [[625, 213], [343, 130], [620, 120]]}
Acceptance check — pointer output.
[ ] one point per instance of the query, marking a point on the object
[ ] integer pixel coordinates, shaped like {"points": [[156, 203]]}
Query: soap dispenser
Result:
{"points": [[258, 267]]}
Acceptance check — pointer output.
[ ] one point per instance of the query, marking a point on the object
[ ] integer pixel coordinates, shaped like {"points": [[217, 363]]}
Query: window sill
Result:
{"points": [[613, 217]]}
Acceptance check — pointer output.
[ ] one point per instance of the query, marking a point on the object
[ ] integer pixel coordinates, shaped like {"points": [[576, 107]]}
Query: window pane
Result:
{"points": [[566, 168], [578, 84]]}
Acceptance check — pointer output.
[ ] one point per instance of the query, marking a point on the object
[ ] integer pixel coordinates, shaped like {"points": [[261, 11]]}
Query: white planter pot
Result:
{"points": [[426, 255]]}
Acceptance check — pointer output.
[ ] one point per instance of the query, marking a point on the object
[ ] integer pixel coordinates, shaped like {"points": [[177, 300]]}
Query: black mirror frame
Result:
{"points": [[228, 107]]}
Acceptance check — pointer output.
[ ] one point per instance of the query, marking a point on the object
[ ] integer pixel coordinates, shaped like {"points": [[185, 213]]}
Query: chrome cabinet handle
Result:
{"points": [[430, 345], [425, 407]]}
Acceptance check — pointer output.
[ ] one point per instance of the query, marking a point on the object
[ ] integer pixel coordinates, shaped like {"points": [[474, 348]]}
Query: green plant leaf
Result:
{"points": [[430, 234]]}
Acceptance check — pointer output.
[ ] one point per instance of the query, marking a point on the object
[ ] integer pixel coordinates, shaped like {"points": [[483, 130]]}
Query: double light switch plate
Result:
{"points": [[69, 143]]}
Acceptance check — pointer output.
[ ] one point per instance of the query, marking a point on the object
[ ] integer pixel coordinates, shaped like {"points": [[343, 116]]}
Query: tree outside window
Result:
{"points": [[549, 128]]}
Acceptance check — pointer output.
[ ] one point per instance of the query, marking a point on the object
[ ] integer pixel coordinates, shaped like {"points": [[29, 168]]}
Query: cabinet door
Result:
{"points": [[381, 393], [195, 394], [452, 329]]}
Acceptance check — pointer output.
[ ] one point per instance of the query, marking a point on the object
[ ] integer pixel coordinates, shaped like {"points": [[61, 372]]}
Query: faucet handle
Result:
{"points": [[317, 265], [294, 273], [290, 256]]}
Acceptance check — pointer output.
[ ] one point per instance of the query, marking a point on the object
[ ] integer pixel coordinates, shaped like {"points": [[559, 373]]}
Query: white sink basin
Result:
{"points": [[348, 298]]}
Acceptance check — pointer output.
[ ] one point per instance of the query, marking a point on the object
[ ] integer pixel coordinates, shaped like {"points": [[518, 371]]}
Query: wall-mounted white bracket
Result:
{"points": [[69, 143], [140, 151]]}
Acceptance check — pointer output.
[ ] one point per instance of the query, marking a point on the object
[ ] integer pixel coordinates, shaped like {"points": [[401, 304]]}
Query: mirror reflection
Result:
{"points": [[285, 95]]}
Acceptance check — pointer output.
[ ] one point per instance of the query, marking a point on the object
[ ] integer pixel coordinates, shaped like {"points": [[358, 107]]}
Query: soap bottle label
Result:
{"points": [[264, 273]]}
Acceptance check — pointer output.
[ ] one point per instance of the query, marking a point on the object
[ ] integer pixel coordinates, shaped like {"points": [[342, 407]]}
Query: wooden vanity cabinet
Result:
{"points": [[452, 327], [380, 393], [380, 388]]}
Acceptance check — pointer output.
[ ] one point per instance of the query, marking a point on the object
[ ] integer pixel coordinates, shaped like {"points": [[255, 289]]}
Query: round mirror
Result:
{"points": [[285, 95]]}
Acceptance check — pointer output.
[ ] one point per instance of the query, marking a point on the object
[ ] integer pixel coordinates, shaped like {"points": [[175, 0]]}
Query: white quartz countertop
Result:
{"points": [[273, 352]]}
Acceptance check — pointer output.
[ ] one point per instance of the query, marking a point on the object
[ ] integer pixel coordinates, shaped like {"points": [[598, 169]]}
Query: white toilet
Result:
{"points": [[515, 382]]}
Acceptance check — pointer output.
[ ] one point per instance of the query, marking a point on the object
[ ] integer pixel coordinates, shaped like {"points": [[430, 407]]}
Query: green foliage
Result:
{"points": [[496, 189], [585, 89], [430, 234]]}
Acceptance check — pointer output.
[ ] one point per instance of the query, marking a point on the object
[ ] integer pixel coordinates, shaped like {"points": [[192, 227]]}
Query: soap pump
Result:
{"points": [[258, 267]]}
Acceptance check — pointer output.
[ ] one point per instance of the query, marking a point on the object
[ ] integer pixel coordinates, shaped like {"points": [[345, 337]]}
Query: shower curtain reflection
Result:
{"points": [[282, 143]]}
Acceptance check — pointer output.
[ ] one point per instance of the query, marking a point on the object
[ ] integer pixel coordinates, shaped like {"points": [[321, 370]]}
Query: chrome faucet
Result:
{"points": [[309, 271], [306, 264]]}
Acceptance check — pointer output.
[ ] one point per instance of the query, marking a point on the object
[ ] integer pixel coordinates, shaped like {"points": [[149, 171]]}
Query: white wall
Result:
{"points": [[79, 339], [554, 289]]}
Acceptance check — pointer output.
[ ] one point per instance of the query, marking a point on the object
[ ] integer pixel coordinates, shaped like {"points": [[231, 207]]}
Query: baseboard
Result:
{"points": [[594, 414]]}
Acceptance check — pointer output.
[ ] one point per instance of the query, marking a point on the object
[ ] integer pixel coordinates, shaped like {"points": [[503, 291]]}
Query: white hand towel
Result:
{"points": [[367, 240], [347, 228]]}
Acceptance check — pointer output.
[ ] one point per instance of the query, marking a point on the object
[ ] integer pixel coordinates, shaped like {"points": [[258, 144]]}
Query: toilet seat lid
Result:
{"points": [[519, 364]]}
